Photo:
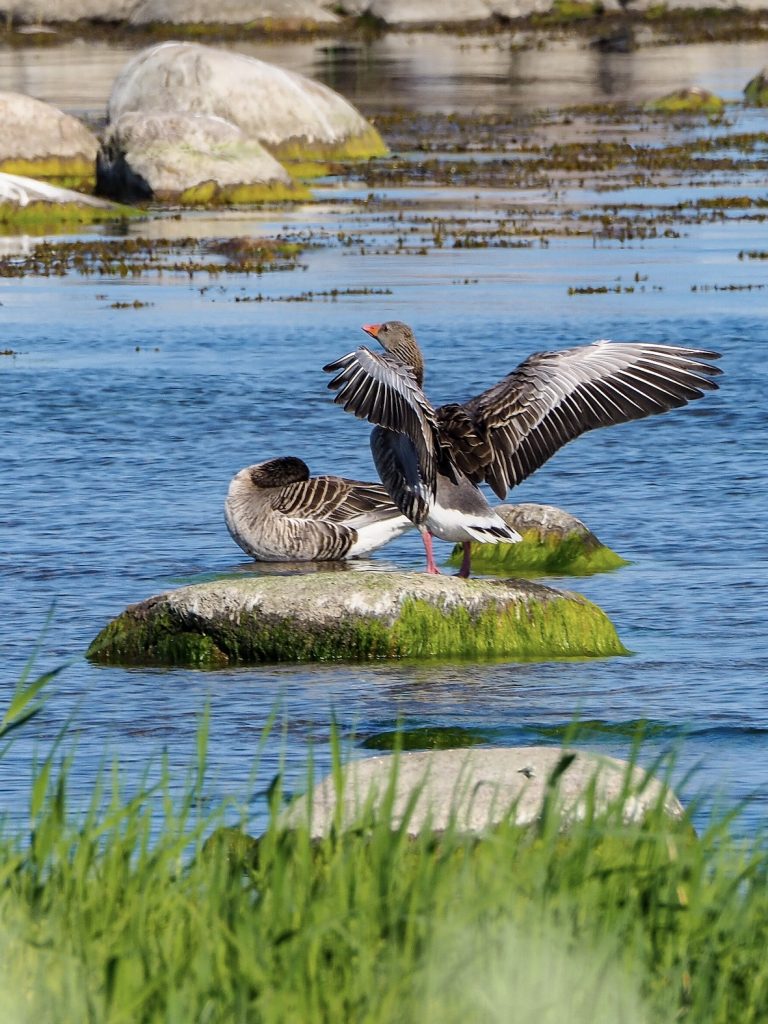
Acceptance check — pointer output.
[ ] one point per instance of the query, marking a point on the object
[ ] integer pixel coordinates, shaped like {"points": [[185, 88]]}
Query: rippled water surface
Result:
{"points": [[121, 429]]}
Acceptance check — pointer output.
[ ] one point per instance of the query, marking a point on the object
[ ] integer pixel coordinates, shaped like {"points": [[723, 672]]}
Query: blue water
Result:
{"points": [[121, 429]]}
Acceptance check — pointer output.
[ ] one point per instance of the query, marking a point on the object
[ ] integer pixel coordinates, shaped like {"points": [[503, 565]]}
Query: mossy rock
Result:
{"points": [[756, 91], [554, 543], [354, 616], [66, 172], [687, 101], [305, 152]]}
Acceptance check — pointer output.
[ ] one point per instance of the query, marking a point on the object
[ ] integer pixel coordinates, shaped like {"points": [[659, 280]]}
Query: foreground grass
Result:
{"points": [[117, 915]]}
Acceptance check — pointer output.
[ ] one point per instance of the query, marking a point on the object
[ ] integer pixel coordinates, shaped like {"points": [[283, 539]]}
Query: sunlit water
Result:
{"points": [[121, 429]]}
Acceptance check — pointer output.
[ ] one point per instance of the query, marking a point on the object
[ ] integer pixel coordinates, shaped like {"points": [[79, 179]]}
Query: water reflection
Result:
{"points": [[428, 72]]}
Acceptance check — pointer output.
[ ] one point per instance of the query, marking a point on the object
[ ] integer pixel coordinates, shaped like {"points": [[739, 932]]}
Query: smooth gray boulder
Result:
{"points": [[231, 12], [31, 11], [354, 615], [39, 141], [425, 12], [187, 158], [475, 789], [292, 116]]}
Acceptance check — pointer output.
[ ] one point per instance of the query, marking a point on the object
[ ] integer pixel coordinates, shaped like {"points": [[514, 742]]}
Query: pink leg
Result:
{"points": [[466, 561], [431, 566]]}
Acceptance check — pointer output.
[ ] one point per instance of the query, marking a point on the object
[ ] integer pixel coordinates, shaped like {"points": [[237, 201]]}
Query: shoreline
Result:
{"points": [[586, 21]]}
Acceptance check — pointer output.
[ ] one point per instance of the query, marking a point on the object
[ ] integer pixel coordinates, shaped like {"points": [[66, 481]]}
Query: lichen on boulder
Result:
{"points": [[39, 141], [354, 616], [191, 159], [293, 117], [693, 100], [555, 543]]}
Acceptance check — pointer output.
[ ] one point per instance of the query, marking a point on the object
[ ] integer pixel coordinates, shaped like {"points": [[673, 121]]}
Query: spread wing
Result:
{"points": [[379, 388], [553, 397], [333, 499]]}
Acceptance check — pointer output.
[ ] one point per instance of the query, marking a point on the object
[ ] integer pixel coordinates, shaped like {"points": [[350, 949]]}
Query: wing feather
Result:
{"points": [[553, 397], [334, 499], [379, 388]]}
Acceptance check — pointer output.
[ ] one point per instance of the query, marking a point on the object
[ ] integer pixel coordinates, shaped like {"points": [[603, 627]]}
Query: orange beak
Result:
{"points": [[372, 329]]}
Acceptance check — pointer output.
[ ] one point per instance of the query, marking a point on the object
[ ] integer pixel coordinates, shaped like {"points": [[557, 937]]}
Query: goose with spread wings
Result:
{"points": [[431, 459], [277, 512]]}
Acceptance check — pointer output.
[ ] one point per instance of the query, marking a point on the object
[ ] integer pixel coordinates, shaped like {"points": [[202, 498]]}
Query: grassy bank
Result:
{"points": [[128, 913]]}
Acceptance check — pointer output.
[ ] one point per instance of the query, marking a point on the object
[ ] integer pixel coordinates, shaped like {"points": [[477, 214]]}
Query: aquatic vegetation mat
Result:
{"points": [[139, 257]]}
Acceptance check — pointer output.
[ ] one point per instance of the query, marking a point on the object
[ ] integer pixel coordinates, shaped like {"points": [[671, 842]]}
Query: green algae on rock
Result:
{"points": [[554, 543], [756, 90], [687, 101], [354, 616]]}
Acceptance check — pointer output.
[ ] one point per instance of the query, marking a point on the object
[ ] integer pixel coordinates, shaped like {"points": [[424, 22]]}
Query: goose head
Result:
{"points": [[398, 339]]}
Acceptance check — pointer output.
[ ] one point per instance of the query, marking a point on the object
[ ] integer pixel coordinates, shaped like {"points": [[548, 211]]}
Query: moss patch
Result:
{"points": [[299, 619], [75, 172], [356, 147], [574, 555], [688, 101], [210, 193], [756, 91], [42, 217]]}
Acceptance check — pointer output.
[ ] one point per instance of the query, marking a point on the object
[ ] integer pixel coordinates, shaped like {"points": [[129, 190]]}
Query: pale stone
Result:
{"points": [[474, 789], [162, 155], [30, 11], [225, 12], [267, 103], [21, 191], [547, 521], [424, 12], [513, 9], [33, 130]]}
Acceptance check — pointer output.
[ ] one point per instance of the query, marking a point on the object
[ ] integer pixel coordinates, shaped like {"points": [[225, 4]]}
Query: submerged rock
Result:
{"points": [[554, 543], [354, 616], [188, 158], [39, 141], [292, 116], [688, 101], [756, 90], [472, 790]]}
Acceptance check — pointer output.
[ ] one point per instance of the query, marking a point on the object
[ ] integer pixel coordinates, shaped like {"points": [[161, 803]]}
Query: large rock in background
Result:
{"points": [[292, 116], [424, 12], [188, 159], [354, 616], [40, 141], [304, 12], [32, 11], [472, 790], [231, 12]]}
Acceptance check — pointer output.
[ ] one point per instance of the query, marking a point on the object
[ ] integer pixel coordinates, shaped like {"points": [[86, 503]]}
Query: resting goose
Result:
{"points": [[431, 459], [277, 513]]}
